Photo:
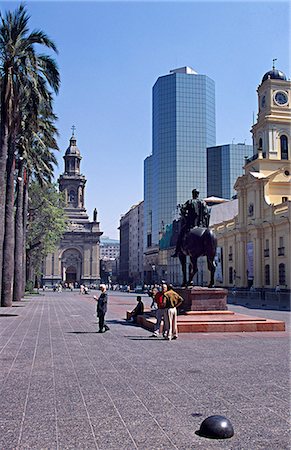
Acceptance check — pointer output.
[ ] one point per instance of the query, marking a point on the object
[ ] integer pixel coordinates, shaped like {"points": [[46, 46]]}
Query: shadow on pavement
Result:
{"points": [[8, 315], [123, 322], [81, 332], [145, 338]]}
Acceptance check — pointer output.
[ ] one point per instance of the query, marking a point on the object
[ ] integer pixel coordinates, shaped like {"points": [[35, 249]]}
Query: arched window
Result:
{"points": [[230, 275], [284, 146], [260, 144], [267, 275], [72, 196]]}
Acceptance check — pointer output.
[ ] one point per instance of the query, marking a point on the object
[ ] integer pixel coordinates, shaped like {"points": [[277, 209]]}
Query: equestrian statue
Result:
{"points": [[195, 239]]}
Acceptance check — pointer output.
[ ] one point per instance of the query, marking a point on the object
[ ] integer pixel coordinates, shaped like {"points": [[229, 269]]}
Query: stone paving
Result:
{"points": [[64, 386]]}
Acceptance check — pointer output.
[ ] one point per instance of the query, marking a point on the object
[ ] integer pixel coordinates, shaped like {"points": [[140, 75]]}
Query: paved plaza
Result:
{"points": [[64, 386]]}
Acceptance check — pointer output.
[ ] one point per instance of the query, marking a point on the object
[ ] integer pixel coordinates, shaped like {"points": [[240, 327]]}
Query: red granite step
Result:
{"points": [[216, 322]]}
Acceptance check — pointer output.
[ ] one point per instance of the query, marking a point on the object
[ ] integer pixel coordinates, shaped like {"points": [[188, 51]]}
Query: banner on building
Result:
{"points": [[218, 262], [250, 260]]}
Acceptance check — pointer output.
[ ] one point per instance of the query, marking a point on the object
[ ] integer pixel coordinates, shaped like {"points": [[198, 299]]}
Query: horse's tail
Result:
{"points": [[210, 241]]}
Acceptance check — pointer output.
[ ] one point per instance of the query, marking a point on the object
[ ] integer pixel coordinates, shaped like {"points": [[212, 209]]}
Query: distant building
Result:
{"points": [[109, 248], [224, 165], [76, 260], [131, 246], [109, 259]]}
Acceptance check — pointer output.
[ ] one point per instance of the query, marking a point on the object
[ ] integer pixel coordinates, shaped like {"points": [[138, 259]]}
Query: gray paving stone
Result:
{"points": [[66, 386]]}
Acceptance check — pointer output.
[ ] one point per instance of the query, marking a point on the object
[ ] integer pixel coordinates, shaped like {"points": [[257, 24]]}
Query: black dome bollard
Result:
{"points": [[216, 427]]}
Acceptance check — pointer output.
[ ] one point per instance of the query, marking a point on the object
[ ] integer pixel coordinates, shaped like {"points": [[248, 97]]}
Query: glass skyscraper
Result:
{"points": [[224, 165], [183, 127]]}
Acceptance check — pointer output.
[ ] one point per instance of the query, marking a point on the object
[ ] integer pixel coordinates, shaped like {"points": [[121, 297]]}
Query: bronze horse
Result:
{"points": [[197, 242]]}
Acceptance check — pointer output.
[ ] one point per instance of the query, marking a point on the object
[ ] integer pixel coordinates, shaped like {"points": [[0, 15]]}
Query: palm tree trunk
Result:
{"points": [[8, 244], [3, 160], [18, 250], [25, 212], [4, 133]]}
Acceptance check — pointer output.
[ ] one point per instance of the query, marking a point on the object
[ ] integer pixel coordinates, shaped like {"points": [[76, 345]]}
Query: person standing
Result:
{"points": [[158, 299], [172, 300], [102, 308]]}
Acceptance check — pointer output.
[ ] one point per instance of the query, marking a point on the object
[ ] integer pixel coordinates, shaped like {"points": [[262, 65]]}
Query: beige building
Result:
{"points": [[76, 260], [255, 244], [131, 246]]}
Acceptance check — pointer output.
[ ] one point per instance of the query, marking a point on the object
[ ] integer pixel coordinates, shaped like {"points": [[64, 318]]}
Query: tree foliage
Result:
{"points": [[46, 223]]}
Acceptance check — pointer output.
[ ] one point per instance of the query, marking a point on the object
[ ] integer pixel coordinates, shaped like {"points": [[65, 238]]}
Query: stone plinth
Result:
{"points": [[199, 298], [217, 322]]}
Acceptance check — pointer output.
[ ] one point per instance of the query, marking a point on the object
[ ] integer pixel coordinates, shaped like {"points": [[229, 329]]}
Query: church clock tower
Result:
{"points": [[72, 183], [271, 133]]}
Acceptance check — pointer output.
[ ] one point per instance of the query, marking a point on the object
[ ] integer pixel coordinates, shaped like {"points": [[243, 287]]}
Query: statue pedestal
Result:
{"points": [[199, 298], [204, 310]]}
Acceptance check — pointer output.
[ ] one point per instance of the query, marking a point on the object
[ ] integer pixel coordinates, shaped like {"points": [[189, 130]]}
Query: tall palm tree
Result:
{"points": [[22, 69], [36, 160]]}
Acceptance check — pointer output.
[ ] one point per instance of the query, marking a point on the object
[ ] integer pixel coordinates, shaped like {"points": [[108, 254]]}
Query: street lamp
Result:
{"points": [[154, 273]]}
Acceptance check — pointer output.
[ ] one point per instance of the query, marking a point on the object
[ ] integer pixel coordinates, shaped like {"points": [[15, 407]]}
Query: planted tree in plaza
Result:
{"points": [[46, 225], [26, 79]]}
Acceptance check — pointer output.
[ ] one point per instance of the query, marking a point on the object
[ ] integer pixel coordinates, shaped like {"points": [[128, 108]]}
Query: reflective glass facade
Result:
{"points": [[224, 165], [183, 127]]}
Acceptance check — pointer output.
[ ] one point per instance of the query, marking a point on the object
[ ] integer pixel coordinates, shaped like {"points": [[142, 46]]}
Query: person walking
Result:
{"points": [[102, 308], [172, 300], [158, 299]]}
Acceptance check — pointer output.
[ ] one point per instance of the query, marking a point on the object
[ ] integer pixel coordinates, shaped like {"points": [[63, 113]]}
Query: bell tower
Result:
{"points": [[72, 183], [272, 133]]}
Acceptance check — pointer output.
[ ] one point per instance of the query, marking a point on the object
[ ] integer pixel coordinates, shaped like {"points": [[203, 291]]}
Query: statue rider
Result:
{"points": [[194, 213]]}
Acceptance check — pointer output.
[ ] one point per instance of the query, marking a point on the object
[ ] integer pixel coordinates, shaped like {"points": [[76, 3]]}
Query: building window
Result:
{"points": [[282, 274], [149, 240], [230, 253], [267, 275], [284, 147], [72, 196], [260, 144], [281, 248], [230, 275], [284, 199], [267, 249]]}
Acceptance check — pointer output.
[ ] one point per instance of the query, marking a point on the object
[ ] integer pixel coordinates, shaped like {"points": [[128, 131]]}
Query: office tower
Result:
{"points": [[224, 165], [183, 127]]}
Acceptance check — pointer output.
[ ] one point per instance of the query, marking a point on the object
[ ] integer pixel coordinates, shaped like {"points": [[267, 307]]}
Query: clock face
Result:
{"points": [[281, 98], [263, 101]]}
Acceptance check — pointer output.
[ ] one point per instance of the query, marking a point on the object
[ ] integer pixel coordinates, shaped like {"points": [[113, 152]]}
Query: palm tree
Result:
{"points": [[25, 77], [36, 160]]}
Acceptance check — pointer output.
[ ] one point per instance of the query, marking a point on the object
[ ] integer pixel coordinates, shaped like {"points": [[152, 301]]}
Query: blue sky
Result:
{"points": [[111, 54]]}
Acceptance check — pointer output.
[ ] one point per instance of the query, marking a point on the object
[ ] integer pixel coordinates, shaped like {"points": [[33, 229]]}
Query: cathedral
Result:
{"points": [[76, 260]]}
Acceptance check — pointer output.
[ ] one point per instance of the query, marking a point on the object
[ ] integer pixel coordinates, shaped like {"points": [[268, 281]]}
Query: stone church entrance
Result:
{"points": [[71, 275], [71, 265]]}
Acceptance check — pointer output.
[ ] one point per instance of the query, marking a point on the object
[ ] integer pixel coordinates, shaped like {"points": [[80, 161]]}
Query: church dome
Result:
{"points": [[274, 74], [73, 149]]}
